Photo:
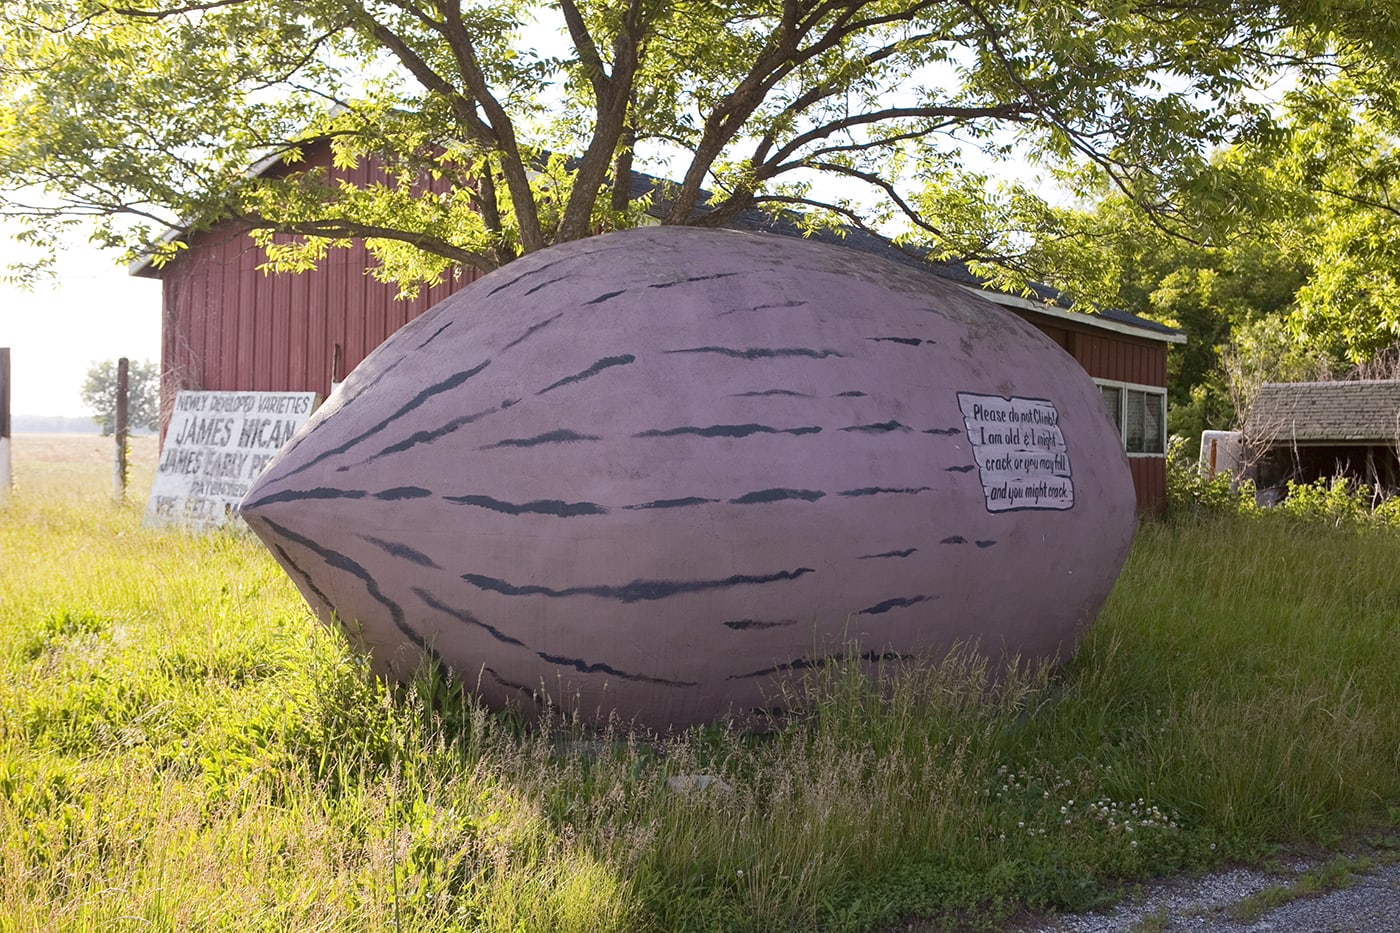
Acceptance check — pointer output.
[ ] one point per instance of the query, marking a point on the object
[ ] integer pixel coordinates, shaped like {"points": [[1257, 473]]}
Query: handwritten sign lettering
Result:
{"points": [[216, 445], [1021, 454]]}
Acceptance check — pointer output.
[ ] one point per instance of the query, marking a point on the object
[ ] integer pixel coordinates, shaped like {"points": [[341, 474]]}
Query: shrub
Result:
{"points": [[1192, 496], [1337, 502]]}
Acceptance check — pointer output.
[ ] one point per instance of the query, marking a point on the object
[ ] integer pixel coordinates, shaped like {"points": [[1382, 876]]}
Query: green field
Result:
{"points": [[183, 747]]}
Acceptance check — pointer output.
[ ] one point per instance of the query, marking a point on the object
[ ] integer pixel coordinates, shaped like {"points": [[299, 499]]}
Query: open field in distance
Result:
{"points": [[78, 464], [39, 450]]}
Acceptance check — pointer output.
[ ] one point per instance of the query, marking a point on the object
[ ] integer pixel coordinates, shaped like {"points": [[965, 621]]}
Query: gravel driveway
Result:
{"points": [[1230, 902]]}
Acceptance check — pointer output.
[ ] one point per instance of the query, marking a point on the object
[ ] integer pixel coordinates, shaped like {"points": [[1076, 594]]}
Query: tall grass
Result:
{"points": [[182, 747]]}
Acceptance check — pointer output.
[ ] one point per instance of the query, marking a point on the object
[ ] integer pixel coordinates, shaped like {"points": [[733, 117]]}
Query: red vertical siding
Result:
{"points": [[176, 354], [269, 340], [210, 281], [1106, 354], [1150, 481], [315, 363], [1058, 334], [1120, 357], [240, 307], [377, 300], [229, 325]]}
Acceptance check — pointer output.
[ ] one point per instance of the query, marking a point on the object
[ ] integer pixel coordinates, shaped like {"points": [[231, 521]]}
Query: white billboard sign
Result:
{"points": [[216, 445]]}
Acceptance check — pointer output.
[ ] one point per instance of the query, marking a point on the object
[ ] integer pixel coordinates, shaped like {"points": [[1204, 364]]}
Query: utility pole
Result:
{"points": [[119, 465], [6, 477]]}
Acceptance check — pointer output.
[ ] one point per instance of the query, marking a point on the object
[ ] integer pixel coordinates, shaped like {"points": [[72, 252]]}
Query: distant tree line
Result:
{"points": [[52, 424]]}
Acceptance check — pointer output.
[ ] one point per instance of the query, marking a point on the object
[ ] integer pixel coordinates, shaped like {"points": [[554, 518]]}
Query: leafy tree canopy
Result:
{"points": [[1340, 166], [99, 393], [145, 115], [1291, 269]]}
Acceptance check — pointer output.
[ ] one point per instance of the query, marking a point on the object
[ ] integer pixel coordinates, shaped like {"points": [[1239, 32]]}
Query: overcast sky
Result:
{"points": [[92, 311]]}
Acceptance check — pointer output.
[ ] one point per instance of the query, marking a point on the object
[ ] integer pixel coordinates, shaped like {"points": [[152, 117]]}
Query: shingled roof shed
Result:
{"points": [[1305, 431]]}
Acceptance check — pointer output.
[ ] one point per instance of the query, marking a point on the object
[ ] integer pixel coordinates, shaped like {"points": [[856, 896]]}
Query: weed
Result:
{"points": [[1333, 876], [1155, 922]]}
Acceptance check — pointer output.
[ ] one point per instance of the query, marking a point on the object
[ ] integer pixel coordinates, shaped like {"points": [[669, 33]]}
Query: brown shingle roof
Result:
{"points": [[1320, 412]]}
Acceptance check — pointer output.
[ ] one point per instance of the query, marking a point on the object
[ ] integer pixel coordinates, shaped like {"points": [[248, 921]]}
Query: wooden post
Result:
{"points": [[335, 367], [6, 477], [119, 465]]}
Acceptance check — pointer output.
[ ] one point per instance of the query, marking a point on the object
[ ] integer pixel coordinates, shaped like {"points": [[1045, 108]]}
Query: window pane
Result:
{"points": [[1143, 422], [1133, 422], [1112, 400], [1152, 442]]}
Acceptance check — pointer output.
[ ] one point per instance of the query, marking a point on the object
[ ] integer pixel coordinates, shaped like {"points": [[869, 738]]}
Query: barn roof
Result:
{"points": [[1365, 411]]}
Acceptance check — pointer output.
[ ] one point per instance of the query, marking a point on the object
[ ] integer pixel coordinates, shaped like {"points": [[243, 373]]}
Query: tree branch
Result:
{"points": [[585, 46], [784, 56], [427, 77], [613, 94], [512, 165], [888, 188], [180, 10], [335, 228], [853, 219], [1010, 112]]}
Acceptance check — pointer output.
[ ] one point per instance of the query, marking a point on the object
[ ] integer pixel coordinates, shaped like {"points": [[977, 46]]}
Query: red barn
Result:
{"points": [[226, 325]]}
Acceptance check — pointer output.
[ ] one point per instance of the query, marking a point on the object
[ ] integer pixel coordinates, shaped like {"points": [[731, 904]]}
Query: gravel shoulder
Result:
{"points": [[1303, 897]]}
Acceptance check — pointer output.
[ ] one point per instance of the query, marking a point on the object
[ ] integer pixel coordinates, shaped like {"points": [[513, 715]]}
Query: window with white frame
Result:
{"points": [[1140, 413]]}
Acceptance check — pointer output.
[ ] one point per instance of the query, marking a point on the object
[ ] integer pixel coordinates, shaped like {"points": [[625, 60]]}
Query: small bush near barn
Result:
{"points": [[1339, 501], [183, 747]]}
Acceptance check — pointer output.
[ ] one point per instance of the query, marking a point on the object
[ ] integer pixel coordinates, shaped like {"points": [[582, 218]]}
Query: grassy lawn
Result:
{"points": [[183, 747]]}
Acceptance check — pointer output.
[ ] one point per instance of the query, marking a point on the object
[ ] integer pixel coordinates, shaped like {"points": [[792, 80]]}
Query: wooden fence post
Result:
{"points": [[119, 466], [6, 477]]}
